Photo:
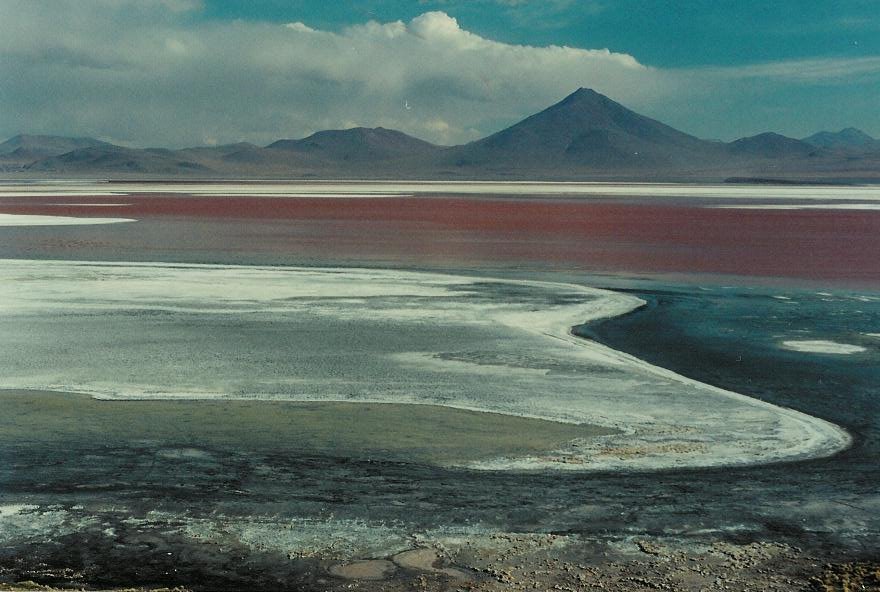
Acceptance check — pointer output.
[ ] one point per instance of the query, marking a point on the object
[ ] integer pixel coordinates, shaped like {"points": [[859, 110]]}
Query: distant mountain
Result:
{"points": [[849, 139], [358, 144], [220, 151], [586, 130], [116, 159], [770, 145], [243, 152], [27, 148], [585, 136]]}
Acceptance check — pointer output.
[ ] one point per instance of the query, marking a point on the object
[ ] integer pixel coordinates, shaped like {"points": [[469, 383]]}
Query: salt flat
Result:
{"points": [[120, 331], [350, 189]]}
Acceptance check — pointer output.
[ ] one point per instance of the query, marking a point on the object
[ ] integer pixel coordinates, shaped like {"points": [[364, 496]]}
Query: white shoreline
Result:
{"points": [[824, 206], [823, 438], [15, 220], [767, 433]]}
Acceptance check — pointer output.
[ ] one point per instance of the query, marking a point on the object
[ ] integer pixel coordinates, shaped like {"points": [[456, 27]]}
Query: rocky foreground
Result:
{"points": [[546, 562]]}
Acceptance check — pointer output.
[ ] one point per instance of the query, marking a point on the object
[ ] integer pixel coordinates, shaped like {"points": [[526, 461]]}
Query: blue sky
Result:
{"points": [[189, 72], [659, 33]]}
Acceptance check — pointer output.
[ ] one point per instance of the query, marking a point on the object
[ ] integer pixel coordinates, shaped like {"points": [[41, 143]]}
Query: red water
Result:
{"points": [[591, 235]]}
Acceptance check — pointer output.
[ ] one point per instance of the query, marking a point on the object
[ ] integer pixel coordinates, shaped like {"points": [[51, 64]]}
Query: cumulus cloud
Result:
{"points": [[147, 75], [147, 72]]}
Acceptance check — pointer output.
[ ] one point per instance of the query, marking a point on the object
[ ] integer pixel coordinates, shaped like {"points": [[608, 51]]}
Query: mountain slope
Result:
{"points": [[24, 148], [587, 130], [771, 145], [358, 145], [116, 159], [849, 139]]}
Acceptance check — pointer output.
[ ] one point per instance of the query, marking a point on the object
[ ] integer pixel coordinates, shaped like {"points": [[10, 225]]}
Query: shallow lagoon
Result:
{"points": [[504, 346]]}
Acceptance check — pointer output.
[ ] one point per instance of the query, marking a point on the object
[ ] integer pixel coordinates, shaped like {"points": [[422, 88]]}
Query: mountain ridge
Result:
{"points": [[586, 136], [772, 145], [358, 143], [30, 147], [848, 139]]}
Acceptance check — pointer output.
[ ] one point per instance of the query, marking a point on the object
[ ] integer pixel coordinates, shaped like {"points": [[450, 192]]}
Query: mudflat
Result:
{"points": [[416, 433]]}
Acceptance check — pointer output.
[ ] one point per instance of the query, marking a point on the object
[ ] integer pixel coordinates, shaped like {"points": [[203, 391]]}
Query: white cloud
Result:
{"points": [[147, 76], [148, 73], [811, 70], [300, 27], [181, 5]]}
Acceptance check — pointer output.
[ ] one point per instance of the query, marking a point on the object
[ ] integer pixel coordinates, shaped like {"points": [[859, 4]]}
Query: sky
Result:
{"points": [[176, 73]]}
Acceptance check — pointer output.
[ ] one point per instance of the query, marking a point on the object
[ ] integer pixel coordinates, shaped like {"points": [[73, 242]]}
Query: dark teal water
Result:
{"points": [[731, 338]]}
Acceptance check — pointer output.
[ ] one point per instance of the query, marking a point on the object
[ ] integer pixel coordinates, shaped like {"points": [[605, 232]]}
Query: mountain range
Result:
{"points": [[586, 136]]}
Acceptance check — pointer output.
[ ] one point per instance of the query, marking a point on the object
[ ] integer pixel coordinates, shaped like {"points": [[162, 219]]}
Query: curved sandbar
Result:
{"points": [[153, 331]]}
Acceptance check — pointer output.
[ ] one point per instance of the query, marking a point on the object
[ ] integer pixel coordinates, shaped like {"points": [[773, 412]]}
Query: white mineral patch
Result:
{"points": [[21, 522], [156, 331], [305, 537], [15, 509], [821, 346], [42, 191], [305, 194], [89, 205], [801, 206], [29, 220]]}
